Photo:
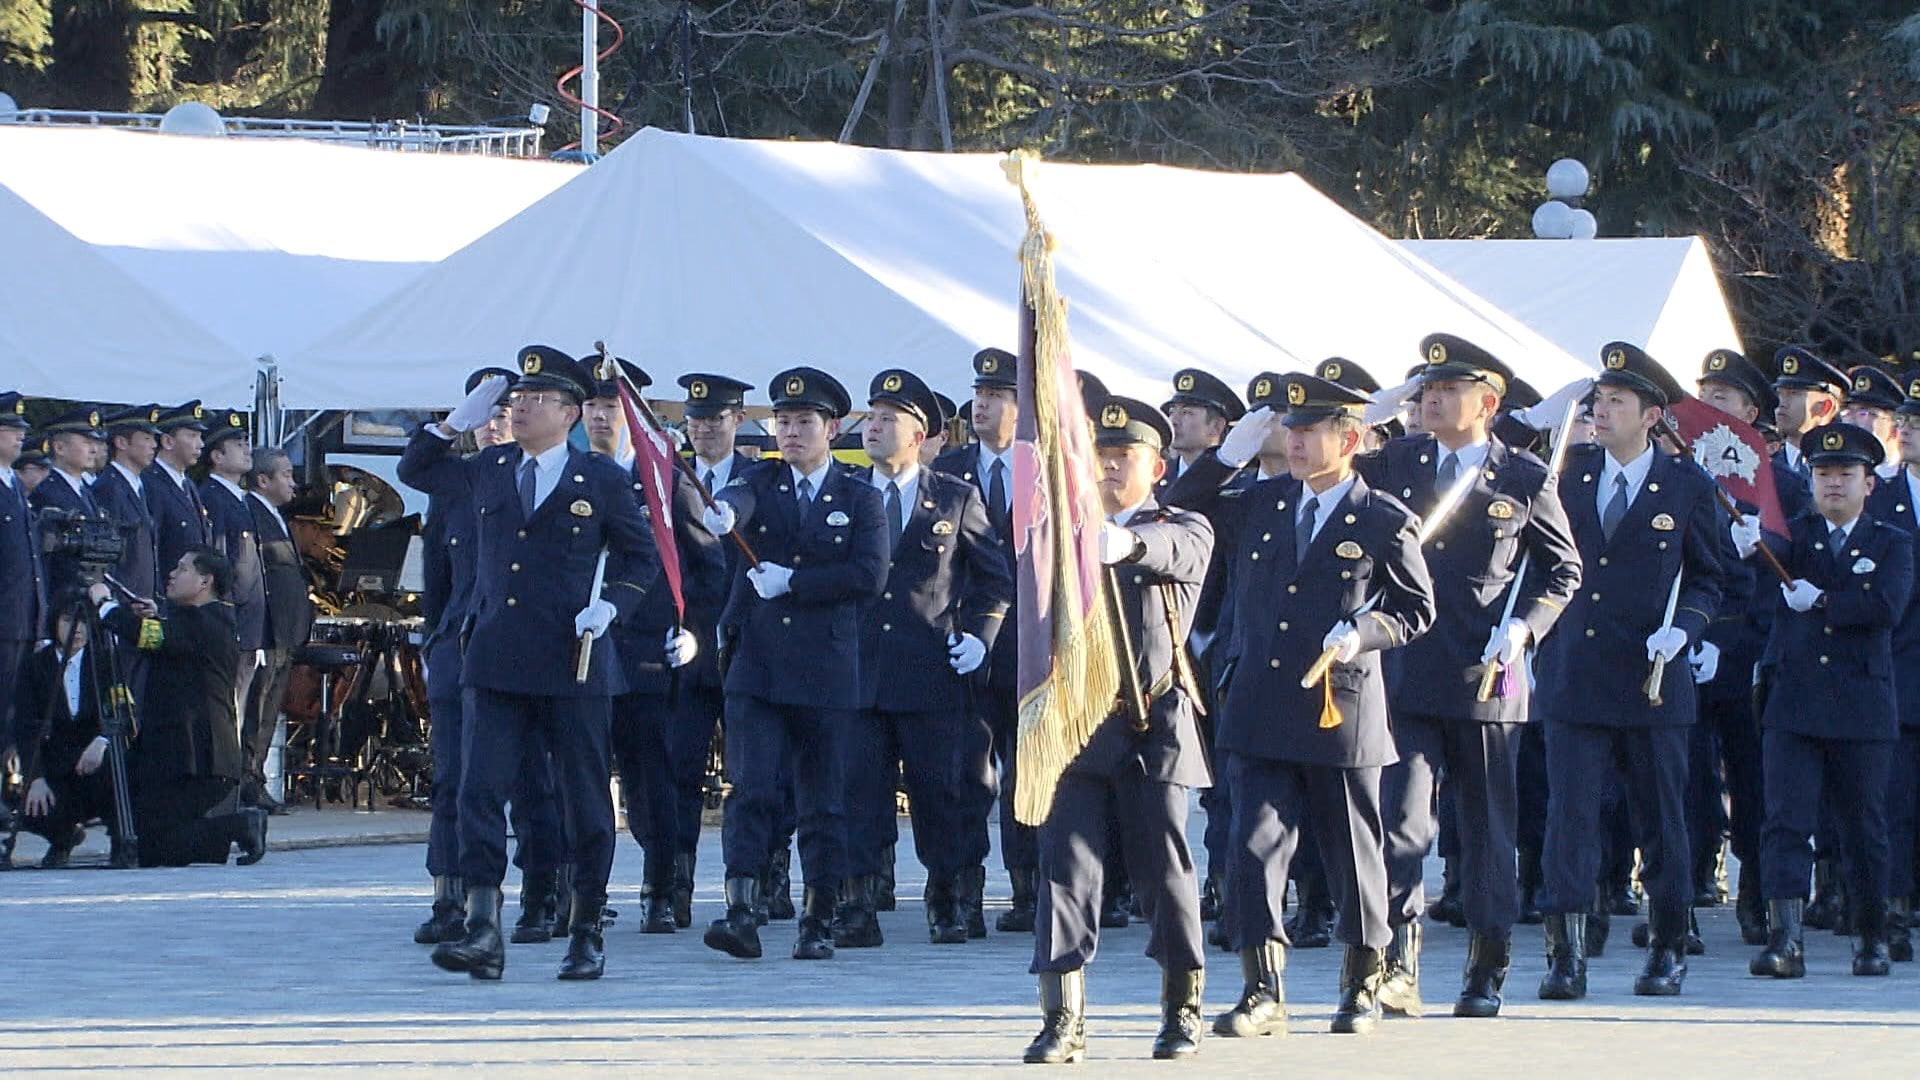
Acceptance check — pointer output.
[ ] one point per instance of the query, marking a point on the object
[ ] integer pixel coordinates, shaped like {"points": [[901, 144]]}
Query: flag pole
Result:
{"points": [[1726, 501]]}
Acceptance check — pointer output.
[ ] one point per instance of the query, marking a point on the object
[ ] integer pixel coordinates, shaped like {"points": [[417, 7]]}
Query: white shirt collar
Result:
{"points": [[1470, 456], [78, 483], [1792, 454], [271, 509], [1126, 515], [1635, 472], [6, 476], [721, 472], [816, 479], [132, 478], [908, 479], [179, 478], [1324, 502], [1913, 491], [988, 457], [1849, 526], [552, 458], [229, 485]]}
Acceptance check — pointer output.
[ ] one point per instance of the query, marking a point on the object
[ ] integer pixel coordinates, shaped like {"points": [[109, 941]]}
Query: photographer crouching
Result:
{"points": [[62, 748], [186, 759]]}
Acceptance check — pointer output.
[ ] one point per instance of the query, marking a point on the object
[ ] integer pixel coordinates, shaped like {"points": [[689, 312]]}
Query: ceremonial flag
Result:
{"points": [[1069, 675], [1734, 454], [653, 454]]}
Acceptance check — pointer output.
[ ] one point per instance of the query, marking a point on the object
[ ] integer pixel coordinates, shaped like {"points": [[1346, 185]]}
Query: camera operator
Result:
{"points": [[71, 445], [186, 761], [62, 751]]}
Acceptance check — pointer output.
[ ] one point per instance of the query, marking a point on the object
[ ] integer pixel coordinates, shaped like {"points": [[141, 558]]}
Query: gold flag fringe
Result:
{"points": [[1058, 718]]}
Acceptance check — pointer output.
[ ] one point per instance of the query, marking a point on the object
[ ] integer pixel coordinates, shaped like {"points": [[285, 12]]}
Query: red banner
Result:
{"points": [[653, 456], [1734, 454]]}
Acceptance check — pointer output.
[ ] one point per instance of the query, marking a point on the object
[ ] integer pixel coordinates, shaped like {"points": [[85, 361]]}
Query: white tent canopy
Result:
{"points": [[76, 325], [266, 243], [684, 252], [1660, 294]]}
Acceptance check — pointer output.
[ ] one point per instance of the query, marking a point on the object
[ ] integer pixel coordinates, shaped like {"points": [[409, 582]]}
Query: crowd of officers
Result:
{"points": [[1361, 620], [192, 625]]}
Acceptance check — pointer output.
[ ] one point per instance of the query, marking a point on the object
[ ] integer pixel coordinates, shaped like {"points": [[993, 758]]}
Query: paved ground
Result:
{"points": [[305, 963]]}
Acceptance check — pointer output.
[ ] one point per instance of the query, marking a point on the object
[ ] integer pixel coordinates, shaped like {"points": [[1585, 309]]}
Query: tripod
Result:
{"points": [[115, 701]]}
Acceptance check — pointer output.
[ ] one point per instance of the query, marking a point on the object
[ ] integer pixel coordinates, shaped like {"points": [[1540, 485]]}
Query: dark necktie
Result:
{"points": [[706, 480], [527, 469], [1303, 528], [86, 498], [1616, 511], [894, 525], [997, 494], [805, 488], [199, 511], [1449, 471], [1836, 545]]}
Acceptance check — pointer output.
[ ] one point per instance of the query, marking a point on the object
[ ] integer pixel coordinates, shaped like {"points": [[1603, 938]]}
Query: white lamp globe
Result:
{"points": [[1567, 179], [1583, 226], [1553, 221], [192, 118], [9, 108]]}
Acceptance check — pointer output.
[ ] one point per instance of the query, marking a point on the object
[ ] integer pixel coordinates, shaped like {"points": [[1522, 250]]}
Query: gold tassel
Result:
{"points": [[1329, 713]]}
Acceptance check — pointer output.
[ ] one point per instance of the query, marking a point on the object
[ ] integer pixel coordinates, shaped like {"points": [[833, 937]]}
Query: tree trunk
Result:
{"points": [[93, 55], [359, 81]]}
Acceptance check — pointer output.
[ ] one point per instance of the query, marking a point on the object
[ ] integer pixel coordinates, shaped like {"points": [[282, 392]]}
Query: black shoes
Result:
{"points": [[1360, 973], [1400, 988], [1666, 966], [1210, 893], [1312, 924], [1900, 930], [854, 924], [250, 833], [737, 933], [971, 892], [1063, 1027], [1487, 962], [683, 865], [535, 924], [586, 947], [481, 953], [1179, 1035], [1749, 909], [1870, 953], [656, 906], [1262, 1008], [777, 891], [1566, 977], [1449, 908], [1785, 956], [945, 925], [1018, 918], [448, 923], [816, 939]]}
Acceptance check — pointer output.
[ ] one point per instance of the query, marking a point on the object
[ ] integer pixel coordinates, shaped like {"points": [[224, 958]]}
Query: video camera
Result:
{"points": [[96, 545]]}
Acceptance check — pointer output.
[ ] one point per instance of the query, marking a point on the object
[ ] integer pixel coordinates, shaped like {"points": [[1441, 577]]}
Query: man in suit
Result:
{"points": [[655, 646], [270, 487], [791, 626], [1138, 768], [229, 452], [71, 442], [1832, 721], [1511, 512], [23, 598], [715, 408], [988, 465], [546, 513], [1652, 545], [179, 517], [62, 752], [1896, 502], [1342, 567], [947, 589]]}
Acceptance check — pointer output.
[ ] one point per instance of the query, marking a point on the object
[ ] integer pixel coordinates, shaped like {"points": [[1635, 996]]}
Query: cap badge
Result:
{"points": [[1296, 394], [1663, 522], [1862, 384], [796, 386], [891, 384], [1913, 390], [989, 365], [1437, 353], [1717, 362], [581, 508], [530, 364], [606, 370], [199, 412], [1264, 388], [1113, 416], [1832, 440], [943, 528], [153, 417], [93, 419], [697, 389], [1330, 371], [20, 407], [1790, 365], [1184, 383], [233, 420], [1616, 359], [1347, 549]]}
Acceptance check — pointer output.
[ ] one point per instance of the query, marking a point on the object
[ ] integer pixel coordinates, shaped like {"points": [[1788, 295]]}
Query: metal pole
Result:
{"points": [[589, 78]]}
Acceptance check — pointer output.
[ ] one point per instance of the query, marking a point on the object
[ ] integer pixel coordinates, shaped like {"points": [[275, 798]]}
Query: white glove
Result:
{"points": [[1801, 595], [259, 658], [1746, 535], [770, 580], [1665, 644], [1246, 438], [719, 518], [1116, 543], [1548, 413], [477, 407], [594, 619], [91, 757], [1344, 640], [1507, 643], [1386, 403], [682, 647], [965, 653], [1705, 662]]}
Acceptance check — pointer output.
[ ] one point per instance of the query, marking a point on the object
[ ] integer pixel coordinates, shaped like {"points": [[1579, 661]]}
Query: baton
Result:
{"points": [[586, 640], [1659, 672], [1490, 670]]}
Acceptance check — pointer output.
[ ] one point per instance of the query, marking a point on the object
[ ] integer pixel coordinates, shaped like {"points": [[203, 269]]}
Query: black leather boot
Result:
{"points": [[563, 900], [944, 926], [481, 953], [1566, 977], [779, 890], [1449, 909], [1262, 1008], [1900, 930], [1785, 956], [1312, 924], [656, 901], [1666, 967], [1710, 875], [1530, 874], [1063, 1025], [1360, 973], [586, 948], [1179, 1015], [1696, 945], [816, 940], [971, 894], [737, 933], [1210, 893], [250, 834], [1487, 960], [853, 924], [536, 909], [1749, 908], [1116, 905], [883, 891], [1400, 988], [1824, 912], [683, 865], [449, 919], [1018, 918], [1600, 921], [1870, 953]]}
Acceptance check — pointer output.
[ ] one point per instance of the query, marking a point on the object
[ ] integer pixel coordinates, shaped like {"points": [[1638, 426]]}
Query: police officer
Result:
{"points": [[1651, 540], [654, 646], [1809, 392], [1337, 566], [715, 407], [1896, 502], [1831, 720], [947, 590], [1199, 412], [229, 453], [71, 442], [1511, 511], [1159, 558], [179, 517], [23, 598], [1872, 397], [546, 512], [792, 625], [988, 465], [132, 441]]}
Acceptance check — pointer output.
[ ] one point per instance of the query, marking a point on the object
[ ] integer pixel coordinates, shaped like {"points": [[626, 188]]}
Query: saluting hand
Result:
{"points": [[477, 407]]}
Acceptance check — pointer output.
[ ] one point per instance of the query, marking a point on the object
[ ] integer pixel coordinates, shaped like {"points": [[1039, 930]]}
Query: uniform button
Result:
{"points": [[453, 542], [1283, 627], [1595, 597], [1603, 560], [1265, 537], [514, 567], [522, 534], [786, 620], [1439, 545], [1823, 659], [886, 596], [1293, 589], [838, 539], [511, 601], [1827, 630], [1137, 579], [1589, 631], [1274, 663], [886, 627]]}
